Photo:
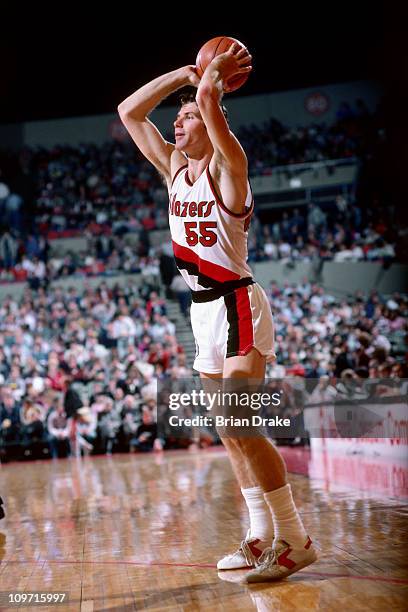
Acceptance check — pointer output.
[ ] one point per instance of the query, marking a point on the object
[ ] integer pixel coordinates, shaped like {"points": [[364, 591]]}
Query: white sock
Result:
{"points": [[286, 520], [259, 515]]}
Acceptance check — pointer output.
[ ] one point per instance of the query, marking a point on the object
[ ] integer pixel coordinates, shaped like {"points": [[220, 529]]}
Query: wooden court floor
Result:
{"points": [[144, 532]]}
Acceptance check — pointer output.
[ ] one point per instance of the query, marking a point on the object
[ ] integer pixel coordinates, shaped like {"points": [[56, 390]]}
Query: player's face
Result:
{"points": [[189, 128]]}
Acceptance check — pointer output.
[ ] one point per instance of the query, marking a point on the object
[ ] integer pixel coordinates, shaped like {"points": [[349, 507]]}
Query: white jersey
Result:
{"points": [[209, 241]]}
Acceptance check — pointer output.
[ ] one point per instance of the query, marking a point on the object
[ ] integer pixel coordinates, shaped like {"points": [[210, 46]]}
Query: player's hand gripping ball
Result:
{"points": [[235, 59]]}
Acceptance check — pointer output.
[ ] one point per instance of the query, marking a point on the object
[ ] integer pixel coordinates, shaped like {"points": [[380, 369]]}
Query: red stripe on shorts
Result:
{"points": [[246, 330]]}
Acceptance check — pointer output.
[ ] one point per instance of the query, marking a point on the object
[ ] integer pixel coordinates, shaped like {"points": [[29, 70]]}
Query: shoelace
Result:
{"points": [[248, 554], [269, 556]]}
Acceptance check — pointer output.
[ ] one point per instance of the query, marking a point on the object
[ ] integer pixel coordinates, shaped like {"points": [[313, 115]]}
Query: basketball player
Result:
{"points": [[206, 172]]}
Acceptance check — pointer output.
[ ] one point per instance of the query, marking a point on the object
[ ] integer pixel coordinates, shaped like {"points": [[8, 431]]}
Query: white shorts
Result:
{"points": [[231, 325]]}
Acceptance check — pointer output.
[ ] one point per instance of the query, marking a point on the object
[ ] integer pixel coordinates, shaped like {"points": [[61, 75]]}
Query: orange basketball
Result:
{"points": [[211, 49]]}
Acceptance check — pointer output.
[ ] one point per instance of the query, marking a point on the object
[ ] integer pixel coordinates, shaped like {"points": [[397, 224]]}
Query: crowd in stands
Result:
{"points": [[336, 234], [106, 189], [79, 370], [336, 350], [318, 334], [104, 194], [34, 262], [114, 198], [354, 134], [82, 368]]}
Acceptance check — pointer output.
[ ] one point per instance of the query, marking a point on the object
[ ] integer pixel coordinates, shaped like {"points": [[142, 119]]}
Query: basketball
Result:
{"points": [[214, 47]]}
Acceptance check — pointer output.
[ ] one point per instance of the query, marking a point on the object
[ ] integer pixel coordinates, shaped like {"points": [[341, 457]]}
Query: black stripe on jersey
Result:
{"points": [[192, 268], [177, 173], [243, 215], [230, 301]]}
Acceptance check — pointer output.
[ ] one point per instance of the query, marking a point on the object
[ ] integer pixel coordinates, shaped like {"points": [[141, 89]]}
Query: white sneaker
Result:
{"points": [[281, 561], [246, 556]]}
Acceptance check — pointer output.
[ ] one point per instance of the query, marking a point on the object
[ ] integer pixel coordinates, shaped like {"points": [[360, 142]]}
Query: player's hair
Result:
{"points": [[190, 96]]}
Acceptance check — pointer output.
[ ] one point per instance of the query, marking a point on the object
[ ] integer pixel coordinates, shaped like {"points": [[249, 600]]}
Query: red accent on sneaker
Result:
{"points": [[283, 559], [254, 550], [308, 543]]}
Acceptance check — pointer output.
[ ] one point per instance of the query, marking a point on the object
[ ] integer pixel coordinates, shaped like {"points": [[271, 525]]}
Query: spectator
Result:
{"points": [[32, 419], [58, 428], [9, 418], [145, 438], [8, 250], [109, 422]]}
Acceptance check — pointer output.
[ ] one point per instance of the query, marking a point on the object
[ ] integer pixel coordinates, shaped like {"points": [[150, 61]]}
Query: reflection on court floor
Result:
{"points": [[144, 532]]}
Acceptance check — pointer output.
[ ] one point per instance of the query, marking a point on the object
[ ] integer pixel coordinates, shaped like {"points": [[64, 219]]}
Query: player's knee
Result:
{"points": [[239, 371]]}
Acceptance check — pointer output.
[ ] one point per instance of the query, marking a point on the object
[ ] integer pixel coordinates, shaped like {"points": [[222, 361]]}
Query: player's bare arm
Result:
{"points": [[228, 166], [134, 112]]}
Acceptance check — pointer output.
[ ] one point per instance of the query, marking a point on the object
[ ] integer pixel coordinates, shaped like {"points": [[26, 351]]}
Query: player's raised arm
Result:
{"points": [[213, 83], [134, 113]]}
